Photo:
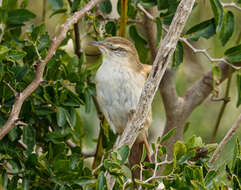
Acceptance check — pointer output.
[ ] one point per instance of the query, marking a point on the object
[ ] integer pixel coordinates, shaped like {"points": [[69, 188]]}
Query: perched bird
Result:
{"points": [[119, 83]]}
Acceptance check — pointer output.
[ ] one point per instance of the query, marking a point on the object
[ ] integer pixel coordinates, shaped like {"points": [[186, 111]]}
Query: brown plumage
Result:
{"points": [[119, 83]]}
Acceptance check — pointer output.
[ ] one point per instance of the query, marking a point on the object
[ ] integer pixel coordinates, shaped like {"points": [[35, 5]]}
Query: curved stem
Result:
{"points": [[224, 105]]}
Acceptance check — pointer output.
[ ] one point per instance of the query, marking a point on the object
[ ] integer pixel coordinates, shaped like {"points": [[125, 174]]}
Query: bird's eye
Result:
{"points": [[118, 49]]}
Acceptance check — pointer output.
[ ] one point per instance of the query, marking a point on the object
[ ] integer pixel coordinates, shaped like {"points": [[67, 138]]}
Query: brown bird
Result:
{"points": [[119, 83]]}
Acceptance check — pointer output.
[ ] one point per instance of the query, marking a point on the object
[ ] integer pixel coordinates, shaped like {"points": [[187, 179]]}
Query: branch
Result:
{"points": [[232, 4], [160, 64], [16, 108], [202, 88], [226, 139]]}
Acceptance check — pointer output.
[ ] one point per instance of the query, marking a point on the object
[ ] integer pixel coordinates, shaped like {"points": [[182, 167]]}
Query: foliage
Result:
{"points": [[36, 155]]}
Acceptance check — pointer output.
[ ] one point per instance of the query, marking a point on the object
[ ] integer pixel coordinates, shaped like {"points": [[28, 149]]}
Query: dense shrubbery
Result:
{"points": [[38, 154]]}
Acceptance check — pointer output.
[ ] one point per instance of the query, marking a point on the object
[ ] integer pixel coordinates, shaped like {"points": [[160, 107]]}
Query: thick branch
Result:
{"points": [[160, 64], [226, 139], [13, 118]]}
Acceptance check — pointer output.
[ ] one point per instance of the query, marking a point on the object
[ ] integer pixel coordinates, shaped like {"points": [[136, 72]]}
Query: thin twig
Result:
{"points": [[225, 140], [11, 88], [224, 105], [16, 108], [148, 15]]}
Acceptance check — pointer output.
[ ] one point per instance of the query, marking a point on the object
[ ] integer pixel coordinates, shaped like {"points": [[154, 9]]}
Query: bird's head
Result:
{"points": [[116, 47]]}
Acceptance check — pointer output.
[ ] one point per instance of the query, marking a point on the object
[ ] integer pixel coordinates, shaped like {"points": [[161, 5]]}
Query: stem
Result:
{"points": [[77, 46], [124, 9], [44, 11], [226, 139], [226, 100]]}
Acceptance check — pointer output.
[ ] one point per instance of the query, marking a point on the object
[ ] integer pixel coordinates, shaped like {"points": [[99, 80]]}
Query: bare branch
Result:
{"points": [[160, 64], [11, 88], [226, 139], [232, 5], [41, 66]]}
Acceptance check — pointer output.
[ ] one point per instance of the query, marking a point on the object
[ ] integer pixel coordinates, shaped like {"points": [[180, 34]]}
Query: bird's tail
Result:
{"points": [[136, 154]]}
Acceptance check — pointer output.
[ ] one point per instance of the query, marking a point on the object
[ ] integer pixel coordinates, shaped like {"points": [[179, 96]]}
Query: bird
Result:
{"points": [[119, 83]]}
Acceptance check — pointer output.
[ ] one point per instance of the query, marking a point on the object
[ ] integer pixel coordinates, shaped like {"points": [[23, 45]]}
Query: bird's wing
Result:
{"points": [[147, 68]]}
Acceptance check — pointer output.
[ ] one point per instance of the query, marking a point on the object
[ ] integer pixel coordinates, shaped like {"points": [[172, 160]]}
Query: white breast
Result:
{"points": [[118, 91]]}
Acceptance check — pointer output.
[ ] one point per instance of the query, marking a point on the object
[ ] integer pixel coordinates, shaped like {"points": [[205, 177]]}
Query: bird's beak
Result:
{"points": [[97, 44]]}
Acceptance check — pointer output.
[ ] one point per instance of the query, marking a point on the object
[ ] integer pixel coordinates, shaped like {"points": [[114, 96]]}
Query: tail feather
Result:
{"points": [[136, 154]]}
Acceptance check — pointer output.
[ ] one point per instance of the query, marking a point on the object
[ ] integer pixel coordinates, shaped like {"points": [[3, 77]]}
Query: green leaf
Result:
{"points": [[143, 184], [178, 55], [218, 13], [124, 153], [236, 182], [3, 15], [56, 3], [227, 28], [3, 51], [75, 5], [17, 55], [205, 29], [210, 177], [233, 54], [61, 117], [38, 30], [29, 137], [159, 30], [19, 16], [58, 11], [143, 155], [110, 28], [168, 135], [101, 184], [4, 179], [140, 43], [105, 7], [148, 3], [186, 157], [179, 150], [25, 183], [238, 84]]}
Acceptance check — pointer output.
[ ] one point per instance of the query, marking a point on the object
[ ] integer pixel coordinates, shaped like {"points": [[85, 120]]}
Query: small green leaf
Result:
{"points": [[236, 182], [29, 137], [25, 183], [209, 177], [124, 153], [143, 184], [238, 84], [110, 28], [186, 157], [168, 135], [101, 184], [3, 15], [218, 13], [3, 51], [143, 156], [61, 117], [233, 54], [56, 3], [227, 28], [4, 179], [159, 30], [205, 29], [179, 150], [58, 11], [178, 55], [17, 55], [105, 7], [75, 5], [140, 43], [19, 16]]}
